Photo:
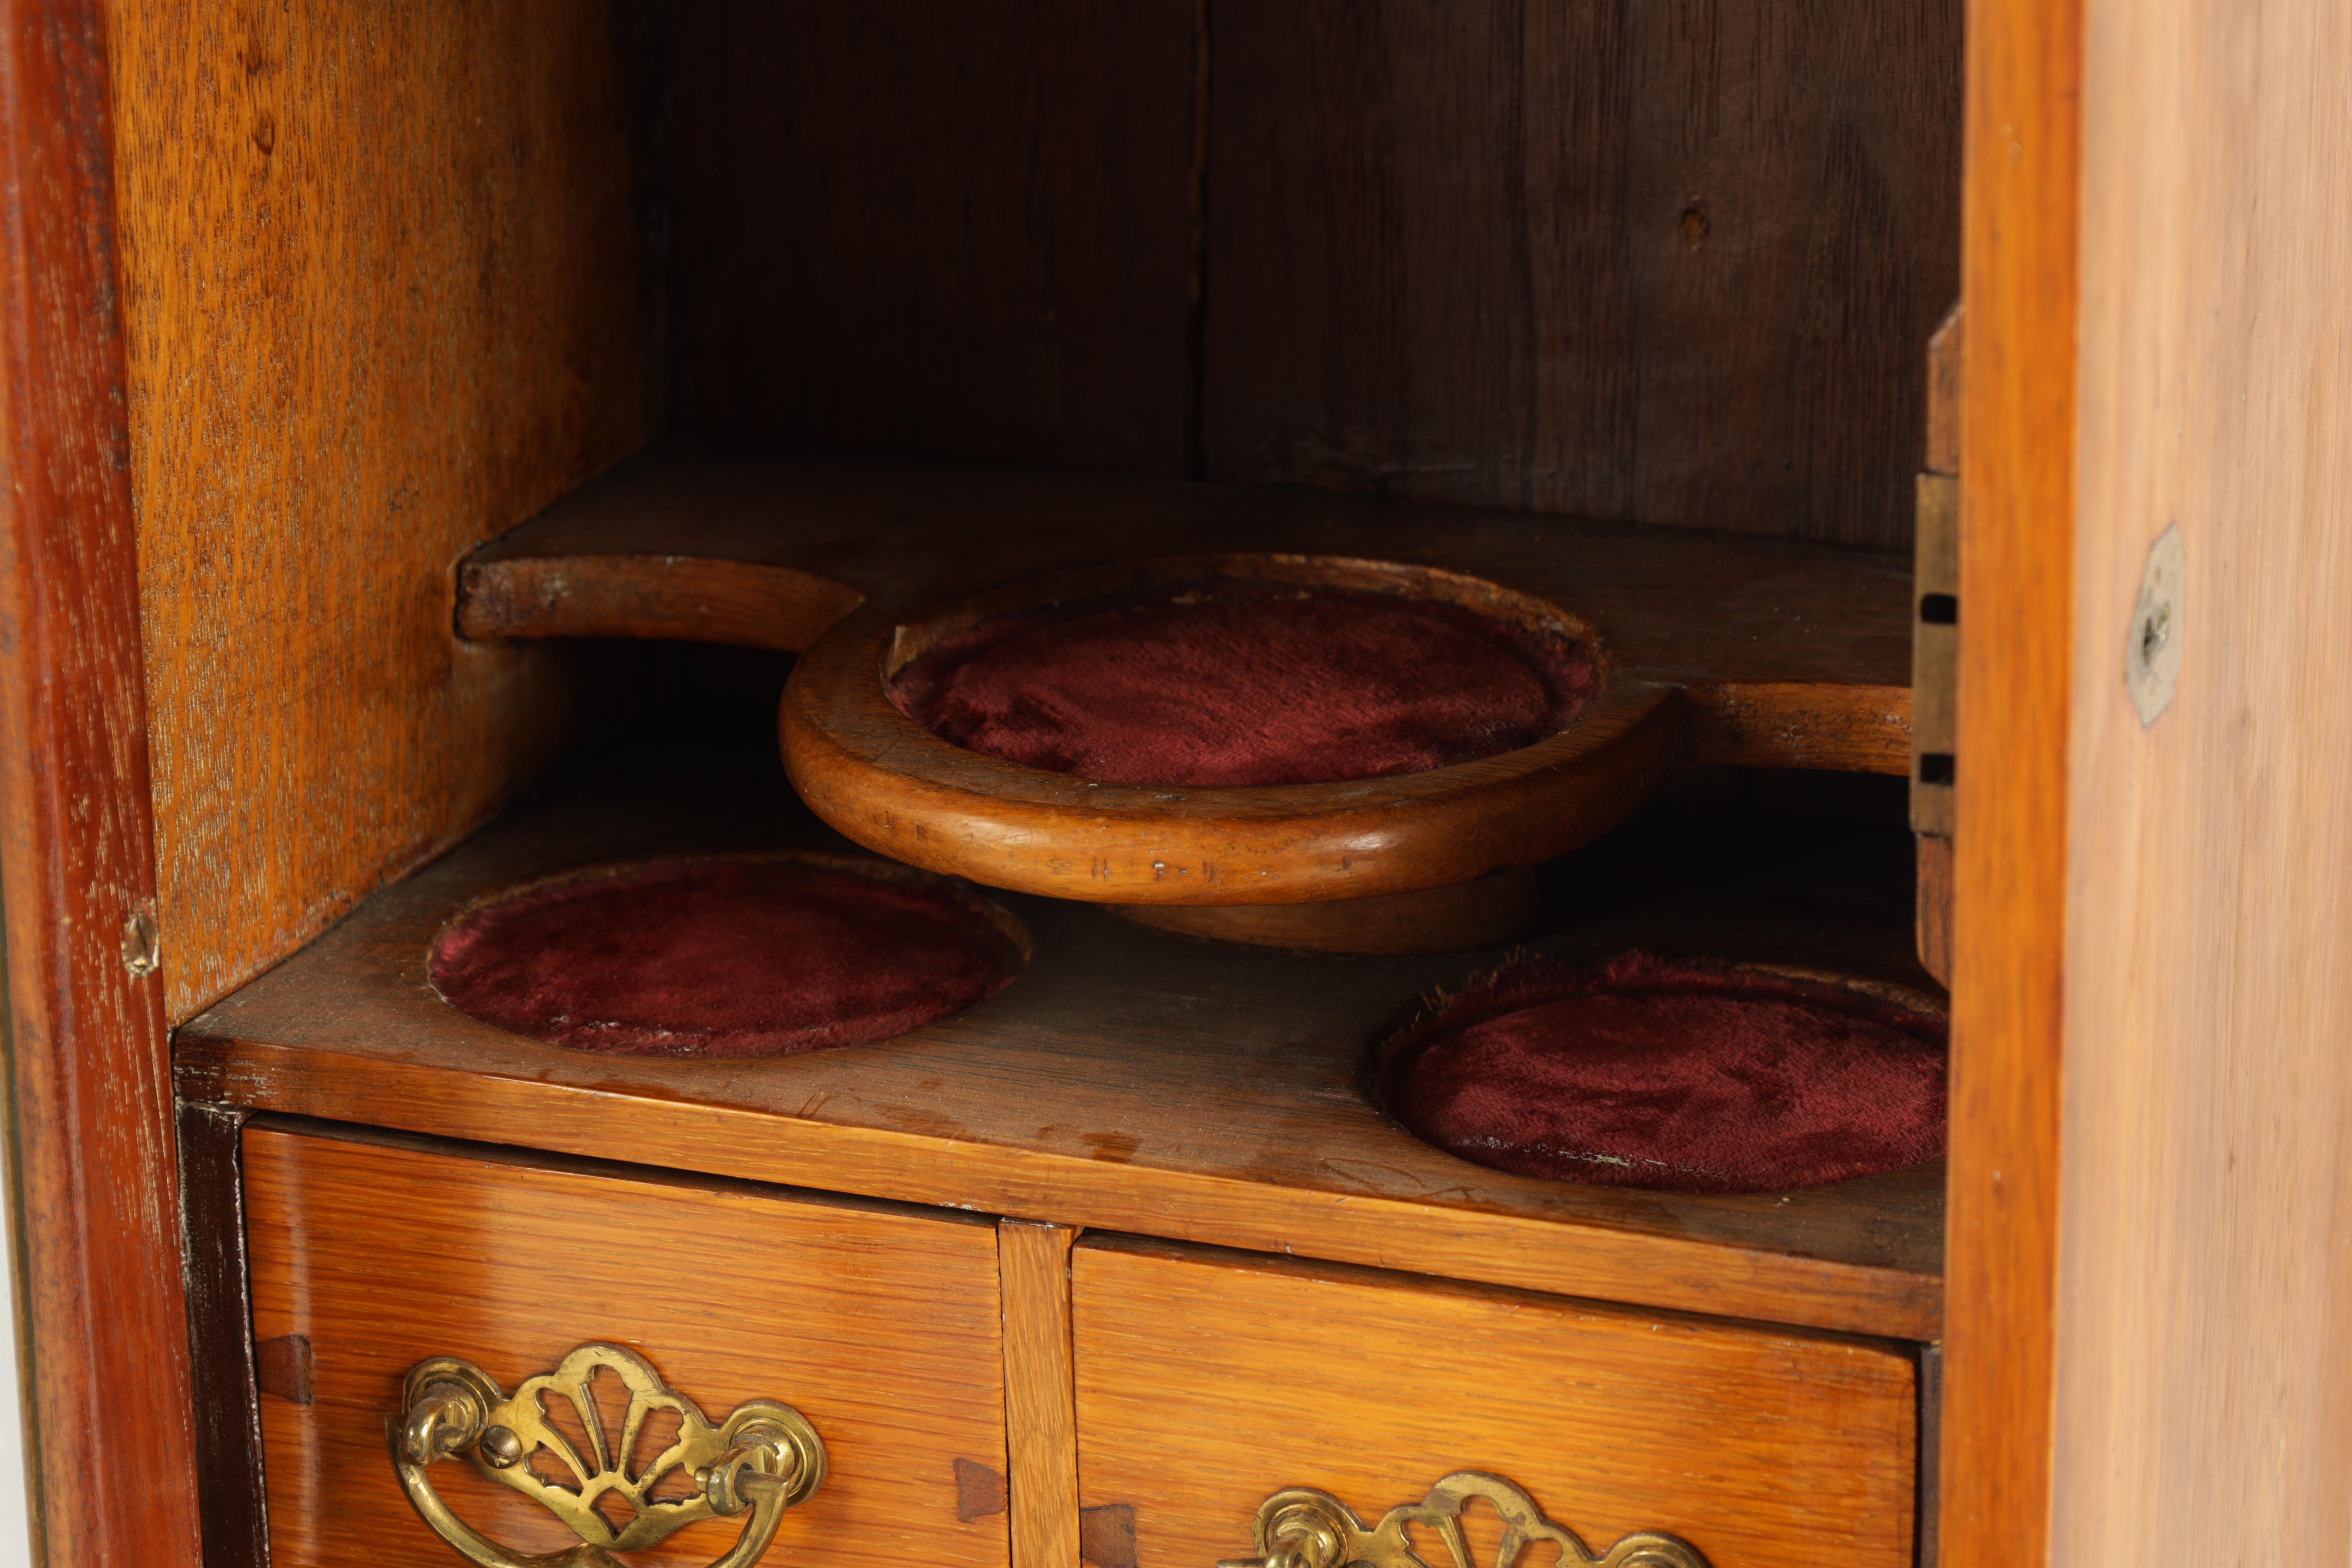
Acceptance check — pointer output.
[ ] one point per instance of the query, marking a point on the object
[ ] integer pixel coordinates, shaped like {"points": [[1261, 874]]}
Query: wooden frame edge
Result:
{"points": [[92, 1168], [2022, 198]]}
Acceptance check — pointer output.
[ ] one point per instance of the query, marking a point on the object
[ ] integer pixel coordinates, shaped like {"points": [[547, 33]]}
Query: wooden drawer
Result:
{"points": [[880, 1324], [1208, 1381]]}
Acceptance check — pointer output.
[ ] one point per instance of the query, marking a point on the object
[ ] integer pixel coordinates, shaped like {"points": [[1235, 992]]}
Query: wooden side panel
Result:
{"points": [[2204, 1396], [880, 1326], [1674, 263], [956, 230], [384, 299], [92, 1207], [2017, 452], [1209, 1381]]}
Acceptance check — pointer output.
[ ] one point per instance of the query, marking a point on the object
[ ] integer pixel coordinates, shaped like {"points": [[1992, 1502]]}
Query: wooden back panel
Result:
{"points": [[2204, 1399], [385, 298], [1672, 263], [1668, 263], [954, 229]]}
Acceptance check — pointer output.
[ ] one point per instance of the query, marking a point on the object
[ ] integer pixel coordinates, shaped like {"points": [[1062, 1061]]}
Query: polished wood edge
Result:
{"points": [[515, 1156], [1283, 1265], [681, 597], [1809, 724], [1933, 902], [1554, 1255], [234, 1504], [93, 1172], [881, 779], [1488, 913], [1930, 1442], [1040, 1423], [1946, 353], [2022, 200]]}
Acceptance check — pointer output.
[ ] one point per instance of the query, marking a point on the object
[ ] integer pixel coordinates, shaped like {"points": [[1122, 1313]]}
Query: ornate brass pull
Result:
{"points": [[1302, 1528], [762, 1459]]}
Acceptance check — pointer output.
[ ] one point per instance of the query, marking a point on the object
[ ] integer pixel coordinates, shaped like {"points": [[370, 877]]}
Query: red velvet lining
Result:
{"points": [[1671, 1075], [756, 956], [1249, 682]]}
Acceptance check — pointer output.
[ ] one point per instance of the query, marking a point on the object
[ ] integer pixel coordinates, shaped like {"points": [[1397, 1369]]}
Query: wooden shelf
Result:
{"points": [[1133, 1081], [1790, 655]]}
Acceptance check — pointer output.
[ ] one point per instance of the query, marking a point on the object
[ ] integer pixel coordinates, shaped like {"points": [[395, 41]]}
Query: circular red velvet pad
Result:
{"points": [[747, 956], [1672, 1075], [1246, 682]]}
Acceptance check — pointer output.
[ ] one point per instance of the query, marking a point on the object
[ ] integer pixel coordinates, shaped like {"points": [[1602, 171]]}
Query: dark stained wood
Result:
{"points": [[979, 1490], [282, 1368], [1130, 1079], [385, 292], [962, 230], [1794, 654], [1106, 1535], [2024, 197], [94, 1199], [228, 1370], [1674, 263]]}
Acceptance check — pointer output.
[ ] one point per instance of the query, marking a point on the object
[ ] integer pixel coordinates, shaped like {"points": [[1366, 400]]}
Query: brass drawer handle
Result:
{"points": [[1303, 1527], [762, 1459]]}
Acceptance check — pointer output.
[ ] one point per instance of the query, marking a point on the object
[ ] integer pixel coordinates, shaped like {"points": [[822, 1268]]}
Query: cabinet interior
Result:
{"points": [[396, 281]]}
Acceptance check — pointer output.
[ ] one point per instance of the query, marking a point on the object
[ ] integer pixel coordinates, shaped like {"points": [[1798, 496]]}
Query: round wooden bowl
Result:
{"points": [[884, 780]]}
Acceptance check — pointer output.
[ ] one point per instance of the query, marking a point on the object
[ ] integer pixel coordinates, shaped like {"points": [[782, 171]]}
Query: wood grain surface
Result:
{"points": [[1130, 1079], [879, 1324], [1209, 1381], [1947, 353], [1666, 262], [889, 783], [2023, 194], [92, 1205], [884, 780], [385, 296], [2204, 1387], [1041, 1432], [673, 598], [962, 231]]}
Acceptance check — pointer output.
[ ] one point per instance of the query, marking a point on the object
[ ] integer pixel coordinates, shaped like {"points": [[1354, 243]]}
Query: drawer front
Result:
{"points": [[882, 1327], [1209, 1381]]}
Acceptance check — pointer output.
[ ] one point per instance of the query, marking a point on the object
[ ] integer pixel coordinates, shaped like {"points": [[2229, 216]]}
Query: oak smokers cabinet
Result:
{"points": [[436, 435]]}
